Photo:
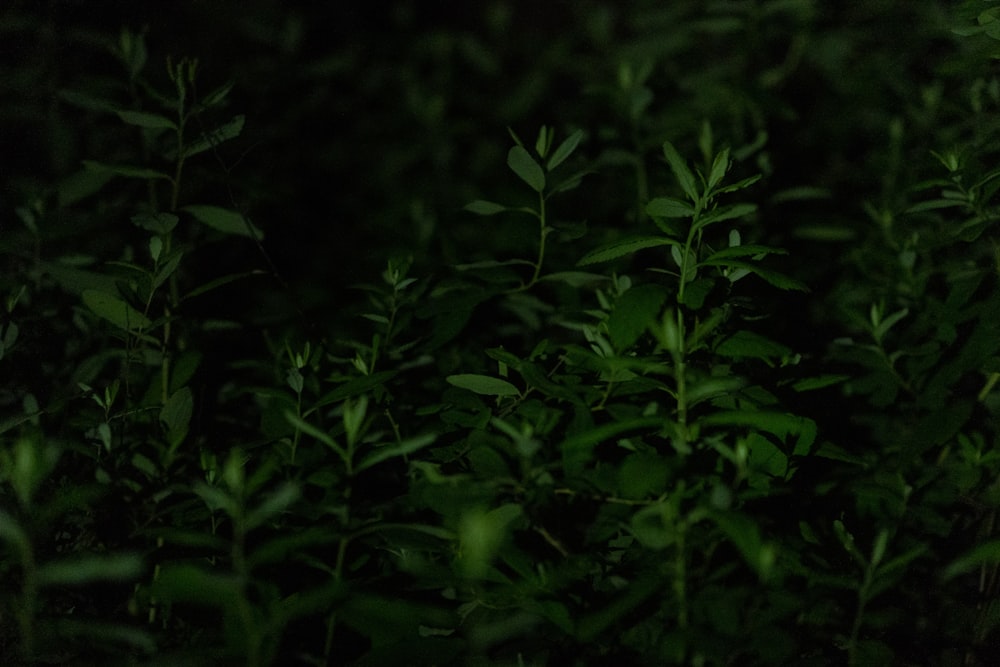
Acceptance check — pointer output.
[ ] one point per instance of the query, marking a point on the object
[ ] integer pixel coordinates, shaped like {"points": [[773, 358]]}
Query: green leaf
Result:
{"points": [[483, 384], [275, 503], [176, 415], [125, 170], [578, 450], [819, 382], [622, 248], [158, 223], [224, 220], [781, 425], [150, 121], [724, 213], [190, 583], [85, 569], [564, 150], [987, 553], [311, 430], [482, 207], [745, 536], [115, 310], [215, 137], [779, 280], [681, 171], [634, 311], [404, 448], [744, 251], [668, 207], [522, 164], [746, 344], [719, 168], [12, 533]]}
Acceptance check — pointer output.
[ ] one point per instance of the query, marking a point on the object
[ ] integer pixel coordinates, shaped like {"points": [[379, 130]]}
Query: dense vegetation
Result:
{"points": [[569, 333]]}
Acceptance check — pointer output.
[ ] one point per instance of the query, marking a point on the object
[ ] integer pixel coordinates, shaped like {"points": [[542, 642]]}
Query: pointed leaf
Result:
{"points": [[482, 207], [125, 170], [681, 171], [622, 248], [85, 569], [668, 207], [224, 220], [380, 454], [522, 164], [719, 167], [483, 384], [724, 213], [115, 310], [565, 149], [150, 121], [220, 134]]}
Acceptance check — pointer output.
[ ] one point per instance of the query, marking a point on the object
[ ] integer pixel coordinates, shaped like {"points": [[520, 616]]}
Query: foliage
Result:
{"points": [[704, 372]]}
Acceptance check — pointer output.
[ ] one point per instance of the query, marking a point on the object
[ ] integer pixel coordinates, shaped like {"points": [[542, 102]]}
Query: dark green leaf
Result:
{"points": [[85, 569], [522, 164], [482, 207], [483, 384], [150, 121], [215, 137], [115, 310], [404, 448], [128, 171], [224, 220], [668, 207], [681, 171], [622, 248], [565, 149], [634, 311]]}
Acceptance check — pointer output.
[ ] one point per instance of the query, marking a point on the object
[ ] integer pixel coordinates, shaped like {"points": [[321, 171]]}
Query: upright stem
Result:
{"points": [[542, 233]]}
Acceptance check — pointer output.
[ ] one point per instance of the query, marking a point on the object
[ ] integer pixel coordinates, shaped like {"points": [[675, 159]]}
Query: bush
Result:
{"points": [[704, 372]]}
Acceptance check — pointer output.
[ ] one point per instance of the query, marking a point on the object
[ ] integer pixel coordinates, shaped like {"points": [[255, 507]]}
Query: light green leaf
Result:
{"points": [[224, 220], [215, 137], [522, 164], [483, 384], [482, 207], [565, 149], [668, 207], [115, 310], [622, 248], [681, 171], [125, 170], [150, 121]]}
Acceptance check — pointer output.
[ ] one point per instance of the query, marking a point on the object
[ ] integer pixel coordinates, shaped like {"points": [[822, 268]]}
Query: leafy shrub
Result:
{"points": [[681, 383]]}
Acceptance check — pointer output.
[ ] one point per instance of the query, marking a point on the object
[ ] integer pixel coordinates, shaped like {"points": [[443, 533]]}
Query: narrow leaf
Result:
{"points": [[224, 220], [482, 207], [483, 384], [115, 310], [125, 170], [392, 451], [522, 164], [719, 167], [622, 248], [681, 171], [85, 569], [150, 121], [724, 213], [668, 207], [565, 149], [215, 137]]}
